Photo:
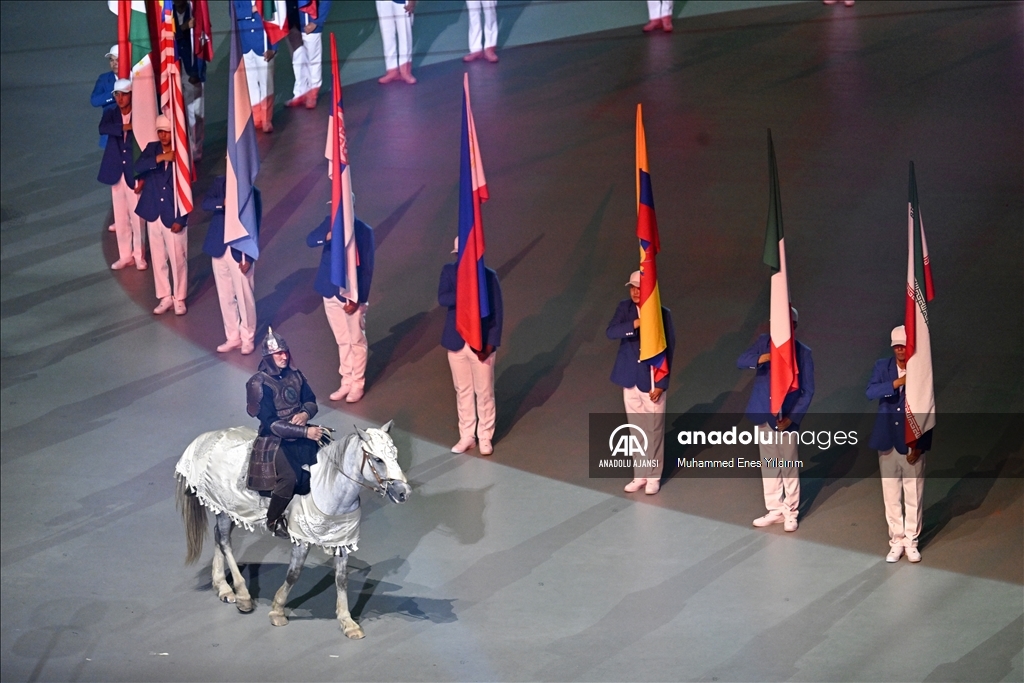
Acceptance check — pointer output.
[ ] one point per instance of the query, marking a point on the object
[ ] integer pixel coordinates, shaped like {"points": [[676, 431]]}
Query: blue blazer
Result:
{"points": [[301, 19], [446, 296], [118, 156], [364, 271], [797, 401], [190, 64], [214, 201], [250, 28], [629, 370], [103, 96], [891, 419], [157, 198]]}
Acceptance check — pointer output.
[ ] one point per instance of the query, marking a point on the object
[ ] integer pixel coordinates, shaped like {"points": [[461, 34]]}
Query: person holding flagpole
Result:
{"points": [[168, 239], [784, 383], [472, 295], [395, 17], [253, 20], [117, 169], [900, 465], [647, 338], [308, 17]]}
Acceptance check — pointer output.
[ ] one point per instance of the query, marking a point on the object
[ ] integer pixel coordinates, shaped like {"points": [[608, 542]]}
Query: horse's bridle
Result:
{"points": [[381, 482]]}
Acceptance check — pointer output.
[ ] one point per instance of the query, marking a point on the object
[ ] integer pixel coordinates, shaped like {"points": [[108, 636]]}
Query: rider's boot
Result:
{"points": [[276, 522]]}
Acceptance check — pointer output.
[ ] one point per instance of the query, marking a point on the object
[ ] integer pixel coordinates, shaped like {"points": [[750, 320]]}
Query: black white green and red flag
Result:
{"points": [[782, 347], [134, 45], [920, 389]]}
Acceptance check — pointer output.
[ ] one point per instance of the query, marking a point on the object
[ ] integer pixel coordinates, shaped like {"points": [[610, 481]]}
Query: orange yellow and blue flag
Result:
{"points": [[653, 343]]}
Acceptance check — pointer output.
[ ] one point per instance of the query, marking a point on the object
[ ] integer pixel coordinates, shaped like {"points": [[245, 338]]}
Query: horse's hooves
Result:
{"points": [[353, 631], [227, 597], [244, 606], [278, 620]]}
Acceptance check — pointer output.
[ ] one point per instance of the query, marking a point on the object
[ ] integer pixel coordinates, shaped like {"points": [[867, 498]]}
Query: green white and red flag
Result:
{"points": [[920, 389], [784, 376], [134, 62]]}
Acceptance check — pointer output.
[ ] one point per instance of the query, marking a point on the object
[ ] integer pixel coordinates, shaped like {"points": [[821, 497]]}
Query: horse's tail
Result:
{"points": [[194, 515]]}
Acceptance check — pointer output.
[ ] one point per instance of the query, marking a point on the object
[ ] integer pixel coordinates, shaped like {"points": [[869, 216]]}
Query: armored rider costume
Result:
{"points": [[274, 395]]}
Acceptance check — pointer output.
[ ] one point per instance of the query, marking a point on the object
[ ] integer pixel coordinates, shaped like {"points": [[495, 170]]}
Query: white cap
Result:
{"points": [[793, 314], [163, 123], [455, 249], [113, 52], [123, 85], [899, 336], [634, 279]]}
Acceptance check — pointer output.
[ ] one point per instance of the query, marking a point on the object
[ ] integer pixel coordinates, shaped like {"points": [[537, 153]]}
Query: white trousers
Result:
{"points": [[395, 23], [307, 63], [649, 416], [474, 393], [127, 223], [259, 73], [195, 112], [237, 301], [781, 484], [350, 335], [656, 9], [900, 479], [166, 246], [487, 35]]}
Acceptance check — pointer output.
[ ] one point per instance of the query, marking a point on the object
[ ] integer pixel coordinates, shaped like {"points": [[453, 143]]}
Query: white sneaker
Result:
{"points": [[653, 486], [166, 304], [179, 308], [789, 525], [769, 519], [120, 264], [913, 554], [247, 348], [229, 346], [464, 445], [354, 394], [895, 553], [486, 447], [341, 393]]}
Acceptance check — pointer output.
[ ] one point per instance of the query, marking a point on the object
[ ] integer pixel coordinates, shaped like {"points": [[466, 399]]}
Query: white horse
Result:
{"points": [[212, 474]]}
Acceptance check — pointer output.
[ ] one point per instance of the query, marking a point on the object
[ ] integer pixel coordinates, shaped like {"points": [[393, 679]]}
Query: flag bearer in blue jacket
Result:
{"points": [[233, 274], [644, 398], [346, 318], [258, 54], [168, 238], [901, 467], [117, 169], [103, 96]]}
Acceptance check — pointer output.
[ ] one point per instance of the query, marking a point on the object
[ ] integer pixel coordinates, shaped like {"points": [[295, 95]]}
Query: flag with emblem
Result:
{"points": [[653, 343], [344, 254], [920, 389]]}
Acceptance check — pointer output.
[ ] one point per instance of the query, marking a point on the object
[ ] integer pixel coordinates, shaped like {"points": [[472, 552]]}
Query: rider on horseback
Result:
{"points": [[280, 397]]}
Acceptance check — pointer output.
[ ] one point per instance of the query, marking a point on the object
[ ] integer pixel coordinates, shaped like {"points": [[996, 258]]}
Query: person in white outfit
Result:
{"points": [[472, 369], [659, 14], [395, 17], [642, 395], [308, 16], [900, 465], [168, 237], [233, 274], [483, 38], [258, 54], [778, 434]]}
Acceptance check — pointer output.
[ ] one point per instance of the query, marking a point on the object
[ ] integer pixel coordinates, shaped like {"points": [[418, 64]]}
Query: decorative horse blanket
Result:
{"points": [[215, 465]]}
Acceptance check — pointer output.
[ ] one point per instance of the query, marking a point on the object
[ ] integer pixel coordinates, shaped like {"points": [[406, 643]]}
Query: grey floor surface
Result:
{"points": [[488, 573]]}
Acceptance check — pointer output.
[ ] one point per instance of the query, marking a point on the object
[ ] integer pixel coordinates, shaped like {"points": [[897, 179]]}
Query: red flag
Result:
{"points": [[203, 30], [124, 44]]}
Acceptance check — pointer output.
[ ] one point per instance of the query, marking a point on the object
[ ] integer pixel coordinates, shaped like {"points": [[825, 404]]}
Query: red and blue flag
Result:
{"points": [[344, 255], [472, 301]]}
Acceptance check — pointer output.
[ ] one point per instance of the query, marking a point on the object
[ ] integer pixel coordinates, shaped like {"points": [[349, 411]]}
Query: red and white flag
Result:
{"points": [[172, 103], [920, 389]]}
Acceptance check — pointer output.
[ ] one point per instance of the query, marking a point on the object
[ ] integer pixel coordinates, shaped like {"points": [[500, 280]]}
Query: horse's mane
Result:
{"points": [[332, 457]]}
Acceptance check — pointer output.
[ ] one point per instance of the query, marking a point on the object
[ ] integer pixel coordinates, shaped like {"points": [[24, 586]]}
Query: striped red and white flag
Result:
{"points": [[172, 103]]}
